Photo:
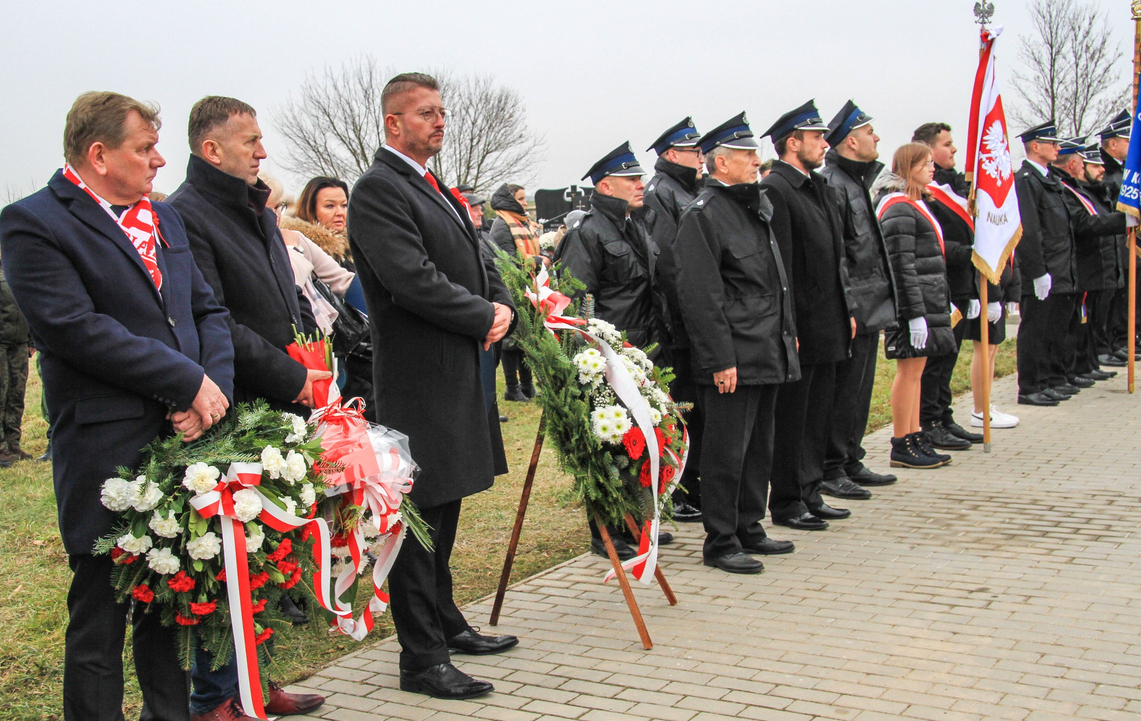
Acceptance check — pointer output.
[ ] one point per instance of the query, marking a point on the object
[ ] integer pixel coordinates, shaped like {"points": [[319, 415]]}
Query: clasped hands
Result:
{"points": [[499, 326], [207, 408]]}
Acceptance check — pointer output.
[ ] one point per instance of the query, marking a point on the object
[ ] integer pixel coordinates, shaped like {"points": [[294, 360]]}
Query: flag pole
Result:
{"points": [[982, 15], [1132, 315]]}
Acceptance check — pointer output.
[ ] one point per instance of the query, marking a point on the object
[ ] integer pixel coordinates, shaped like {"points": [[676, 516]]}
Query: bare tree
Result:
{"points": [[1069, 64], [335, 125]]}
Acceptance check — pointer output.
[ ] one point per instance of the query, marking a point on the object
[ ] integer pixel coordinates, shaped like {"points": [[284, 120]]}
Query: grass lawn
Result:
{"points": [[33, 612]]}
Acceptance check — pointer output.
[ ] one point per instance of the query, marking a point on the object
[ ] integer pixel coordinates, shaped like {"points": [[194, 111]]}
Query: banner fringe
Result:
{"points": [[1003, 259]]}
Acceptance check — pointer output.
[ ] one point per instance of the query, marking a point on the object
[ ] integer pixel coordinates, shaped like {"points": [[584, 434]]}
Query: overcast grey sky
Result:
{"points": [[593, 73]]}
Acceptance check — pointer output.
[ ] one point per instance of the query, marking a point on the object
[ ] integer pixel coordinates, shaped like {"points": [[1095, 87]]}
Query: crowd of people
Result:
{"points": [[767, 296]]}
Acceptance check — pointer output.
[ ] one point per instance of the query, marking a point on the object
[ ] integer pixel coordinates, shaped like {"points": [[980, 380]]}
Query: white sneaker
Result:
{"points": [[998, 419]]}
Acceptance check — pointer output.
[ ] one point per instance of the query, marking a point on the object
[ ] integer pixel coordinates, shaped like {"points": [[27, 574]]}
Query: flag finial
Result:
{"points": [[984, 10], [1136, 9]]}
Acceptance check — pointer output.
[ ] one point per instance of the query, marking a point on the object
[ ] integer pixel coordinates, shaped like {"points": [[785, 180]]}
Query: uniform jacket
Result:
{"points": [[809, 231], [958, 237], [1047, 244], [920, 271], [672, 188], [732, 287], [429, 298], [612, 255], [870, 282], [117, 354], [243, 258], [13, 325], [1100, 265]]}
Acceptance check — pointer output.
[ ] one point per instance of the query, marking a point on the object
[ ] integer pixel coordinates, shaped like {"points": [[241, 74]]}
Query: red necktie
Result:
{"points": [[432, 182]]}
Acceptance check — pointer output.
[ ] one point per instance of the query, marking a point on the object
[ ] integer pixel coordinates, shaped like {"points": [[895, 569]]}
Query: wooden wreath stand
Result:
{"points": [[628, 592]]}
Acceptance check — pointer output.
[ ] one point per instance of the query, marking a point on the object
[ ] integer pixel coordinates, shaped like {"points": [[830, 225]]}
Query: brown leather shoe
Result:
{"points": [[281, 703], [228, 711]]}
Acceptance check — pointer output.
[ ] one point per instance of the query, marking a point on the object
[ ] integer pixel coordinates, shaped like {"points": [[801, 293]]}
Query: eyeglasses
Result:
{"points": [[428, 115]]}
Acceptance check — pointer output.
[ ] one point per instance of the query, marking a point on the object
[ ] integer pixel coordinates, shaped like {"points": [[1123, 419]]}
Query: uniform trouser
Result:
{"points": [[737, 453], [1099, 306], [803, 412], [93, 652], [685, 390], [851, 404], [1081, 354], [935, 386], [420, 593], [1067, 329], [13, 383], [1119, 321], [515, 370], [1040, 332]]}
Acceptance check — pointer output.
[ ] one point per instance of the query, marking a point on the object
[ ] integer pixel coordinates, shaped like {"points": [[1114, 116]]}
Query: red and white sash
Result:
{"points": [[139, 223], [1081, 199], [896, 198], [957, 204]]}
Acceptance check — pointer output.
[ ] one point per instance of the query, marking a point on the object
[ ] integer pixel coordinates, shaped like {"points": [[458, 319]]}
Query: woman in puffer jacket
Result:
{"points": [[923, 300], [514, 232]]}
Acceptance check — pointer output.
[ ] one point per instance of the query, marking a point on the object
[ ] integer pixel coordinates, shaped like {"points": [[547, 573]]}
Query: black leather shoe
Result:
{"points": [[47, 455], [1099, 375], [443, 681], [503, 419], [1080, 382], [866, 477], [736, 563], [292, 613], [803, 522], [959, 432], [1068, 388], [842, 487], [476, 644], [685, 513], [1112, 361], [829, 513], [514, 394], [1036, 399], [940, 437], [1056, 395], [624, 550], [768, 547]]}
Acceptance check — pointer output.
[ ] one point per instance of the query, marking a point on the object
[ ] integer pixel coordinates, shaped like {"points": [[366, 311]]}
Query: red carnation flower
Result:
{"points": [[143, 593], [184, 621], [661, 441], [203, 609], [293, 579], [221, 577], [635, 442], [286, 567], [263, 636], [121, 557], [339, 540], [644, 475], [283, 550], [259, 580], [180, 582], [668, 473], [307, 532], [258, 607]]}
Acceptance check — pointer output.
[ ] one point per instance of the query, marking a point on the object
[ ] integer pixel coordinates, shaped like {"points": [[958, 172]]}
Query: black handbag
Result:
{"points": [[351, 335]]}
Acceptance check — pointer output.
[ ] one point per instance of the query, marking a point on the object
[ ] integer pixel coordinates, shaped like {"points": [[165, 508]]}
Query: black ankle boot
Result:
{"points": [[905, 453], [923, 441]]}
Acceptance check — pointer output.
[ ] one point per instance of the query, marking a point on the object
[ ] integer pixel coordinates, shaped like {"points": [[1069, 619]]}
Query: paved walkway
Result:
{"points": [[1005, 586]]}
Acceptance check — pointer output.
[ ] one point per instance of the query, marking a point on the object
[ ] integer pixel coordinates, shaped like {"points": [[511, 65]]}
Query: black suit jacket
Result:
{"points": [[429, 299], [117, 353]]}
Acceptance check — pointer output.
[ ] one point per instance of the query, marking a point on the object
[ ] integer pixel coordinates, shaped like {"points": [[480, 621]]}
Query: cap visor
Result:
{"points": [[631, 172], [740, 144]]}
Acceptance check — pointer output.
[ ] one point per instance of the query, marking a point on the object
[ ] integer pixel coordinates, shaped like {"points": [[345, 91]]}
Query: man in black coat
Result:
{"points": [[1114, 147], [1049, 271], [132, 341], [809, 231], [850, 171], [433, 306], [935, 414], [1102, 270], [675, 184], [737, 309]]}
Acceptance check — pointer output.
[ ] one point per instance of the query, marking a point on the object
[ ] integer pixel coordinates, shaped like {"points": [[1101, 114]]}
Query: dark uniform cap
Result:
{"points": [[1092, 154], [682, 135], [1119, 127], [1070, 146], [473, 199], [620, 162], [1045, 132], [806, 117], [848, 119], [733, 133]]}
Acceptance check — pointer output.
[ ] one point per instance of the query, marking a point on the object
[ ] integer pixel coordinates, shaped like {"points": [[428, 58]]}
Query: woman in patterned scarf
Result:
{"points": [[517, 235]]}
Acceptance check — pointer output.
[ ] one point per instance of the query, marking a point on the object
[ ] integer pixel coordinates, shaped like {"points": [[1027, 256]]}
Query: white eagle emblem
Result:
{"points": [[996, 158]]}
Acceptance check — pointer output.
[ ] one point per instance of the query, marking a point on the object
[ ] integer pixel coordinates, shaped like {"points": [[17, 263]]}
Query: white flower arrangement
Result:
{"points": [[300, 428], [145, 495], [117, 494], [272, 462], [137, 546], [255, 539], [168, 527], [247, 505], [610, 423], [204, 547], [308, 495], [591, 366], [295, 467], [163, 561], [201, 478]]}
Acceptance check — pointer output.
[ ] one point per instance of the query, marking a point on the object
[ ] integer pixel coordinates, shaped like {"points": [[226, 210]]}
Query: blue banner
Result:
{"points": [[1129, 201]]}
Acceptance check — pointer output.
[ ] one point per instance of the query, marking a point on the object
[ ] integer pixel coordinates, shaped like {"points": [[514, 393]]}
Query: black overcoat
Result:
{"points": [[429, 299], [1095, 236], [809, 231], [672, 188], [117, 354], [734, 293], [1047, 244], [958, 238], [243, 258]]}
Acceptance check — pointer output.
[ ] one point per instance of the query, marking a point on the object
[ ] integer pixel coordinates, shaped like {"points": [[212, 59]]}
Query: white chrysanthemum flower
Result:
{"points": [[201, 478], [145, 495], [273, 462], [162, 561], [617, 413], [204, 547], [621, 426], [168, 527], [295, 467], [290, 505], [247, 505], [255, 539], [655, 415], [117, 494], [300, 429], [308, 495], [137, 546]]}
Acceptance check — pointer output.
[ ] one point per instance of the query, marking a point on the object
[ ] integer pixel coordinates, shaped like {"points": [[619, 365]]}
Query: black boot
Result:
{"points": [[906, 454], [514, 394], [923, 442]]}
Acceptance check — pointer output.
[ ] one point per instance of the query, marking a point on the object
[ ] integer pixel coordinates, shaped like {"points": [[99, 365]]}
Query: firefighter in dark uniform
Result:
{"points": [[1114, 147], [735, 302], [611, 253], [809, 231], [677, 178], [1104, 270]]}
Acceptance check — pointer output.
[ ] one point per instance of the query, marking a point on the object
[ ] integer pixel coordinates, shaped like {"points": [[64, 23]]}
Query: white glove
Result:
{"points": [[1042, 286], [1011, 308], [993, 312], [974, 310], [918, 328]]}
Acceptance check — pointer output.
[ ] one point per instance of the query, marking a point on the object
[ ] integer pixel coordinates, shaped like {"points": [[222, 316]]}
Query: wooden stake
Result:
{"points": [[524, 499], [625, 583], [984, 338], [658, 568]]}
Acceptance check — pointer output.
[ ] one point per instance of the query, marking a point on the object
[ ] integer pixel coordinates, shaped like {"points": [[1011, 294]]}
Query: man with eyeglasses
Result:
{"points": [[437, 306]]}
